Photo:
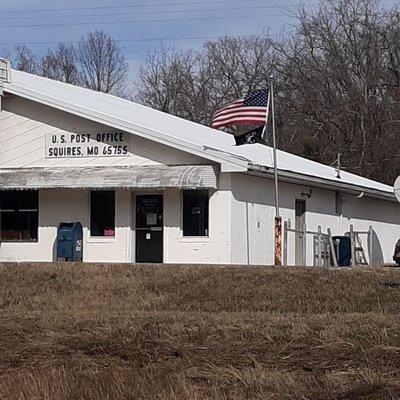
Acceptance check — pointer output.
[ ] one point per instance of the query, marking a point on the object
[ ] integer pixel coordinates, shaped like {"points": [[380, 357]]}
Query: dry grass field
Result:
{"points": [[127, 332]]}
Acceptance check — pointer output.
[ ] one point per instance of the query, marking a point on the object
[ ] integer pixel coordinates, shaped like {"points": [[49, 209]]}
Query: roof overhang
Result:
{"points": [[312, 181], [114, 177]]}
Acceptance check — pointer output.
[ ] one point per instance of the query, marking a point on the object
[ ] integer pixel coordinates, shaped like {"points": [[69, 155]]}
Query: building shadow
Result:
{"points": [[377, 252]]}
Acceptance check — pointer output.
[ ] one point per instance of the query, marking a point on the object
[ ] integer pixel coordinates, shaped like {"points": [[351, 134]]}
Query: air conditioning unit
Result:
{"points": [[5, 70]]}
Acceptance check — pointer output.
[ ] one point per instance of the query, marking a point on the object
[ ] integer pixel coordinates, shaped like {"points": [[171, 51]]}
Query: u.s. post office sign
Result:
{"points": [[66, 145]]}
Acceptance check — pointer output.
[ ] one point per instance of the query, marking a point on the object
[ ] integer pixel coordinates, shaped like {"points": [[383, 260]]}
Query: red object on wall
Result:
{"points": [[109, 232]]}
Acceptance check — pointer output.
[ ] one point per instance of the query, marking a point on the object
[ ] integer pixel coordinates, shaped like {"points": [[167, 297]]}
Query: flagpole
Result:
{"points": [[263, 134], [274, 152], [278, 220]]}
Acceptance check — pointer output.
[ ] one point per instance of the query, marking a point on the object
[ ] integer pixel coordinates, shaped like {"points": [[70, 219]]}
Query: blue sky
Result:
{"points": [[140, 25]]}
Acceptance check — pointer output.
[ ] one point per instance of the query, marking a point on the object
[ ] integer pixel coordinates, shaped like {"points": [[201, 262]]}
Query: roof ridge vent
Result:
{"points": [[5, 70]]}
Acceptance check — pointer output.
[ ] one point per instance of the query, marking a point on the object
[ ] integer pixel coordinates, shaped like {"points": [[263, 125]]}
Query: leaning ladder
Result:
{"points": [[359, 252], [358, 256]]}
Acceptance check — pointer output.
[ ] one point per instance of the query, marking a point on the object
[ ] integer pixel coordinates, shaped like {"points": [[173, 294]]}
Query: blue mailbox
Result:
{"points": [[70, 241]]}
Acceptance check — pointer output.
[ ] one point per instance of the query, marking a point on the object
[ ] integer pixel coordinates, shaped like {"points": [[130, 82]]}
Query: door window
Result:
{"points": [[149, 211]]}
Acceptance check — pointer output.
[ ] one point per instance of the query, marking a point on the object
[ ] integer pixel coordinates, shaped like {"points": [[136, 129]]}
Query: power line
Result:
{"points": [[131, 6], [141, 13], [139, 21], [160, 39]]}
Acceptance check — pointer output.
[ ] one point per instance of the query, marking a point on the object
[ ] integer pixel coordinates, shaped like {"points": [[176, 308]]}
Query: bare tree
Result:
{"points": [[337, 75], [7, 54], [337, 79], [96, 62], [25, 60], [194, 84], [102, 66], [237, 66], [333, 91], [175, 83], [61, 64]]}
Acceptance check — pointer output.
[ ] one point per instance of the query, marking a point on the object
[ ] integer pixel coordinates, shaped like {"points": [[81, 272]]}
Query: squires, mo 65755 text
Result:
{"points": [[60, 145]]}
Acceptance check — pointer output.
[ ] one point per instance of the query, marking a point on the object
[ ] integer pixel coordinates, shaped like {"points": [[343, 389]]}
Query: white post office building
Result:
{"points": [[150, 187]]}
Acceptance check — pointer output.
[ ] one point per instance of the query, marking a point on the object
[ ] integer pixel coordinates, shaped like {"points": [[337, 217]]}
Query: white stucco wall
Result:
{"points": [[384, 218], [56, 206], [214, 249], [240, 224], [253, 219]]}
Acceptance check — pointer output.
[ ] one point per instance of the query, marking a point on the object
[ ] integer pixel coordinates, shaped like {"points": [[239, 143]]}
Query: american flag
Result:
{"points": [[248, 111]]}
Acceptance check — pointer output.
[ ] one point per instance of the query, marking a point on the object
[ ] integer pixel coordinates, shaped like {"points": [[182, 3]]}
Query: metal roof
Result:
{"points": [[179, 133]]}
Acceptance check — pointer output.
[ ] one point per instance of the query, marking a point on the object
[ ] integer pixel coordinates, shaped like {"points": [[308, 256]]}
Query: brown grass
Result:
{"points": [[129, 332]]}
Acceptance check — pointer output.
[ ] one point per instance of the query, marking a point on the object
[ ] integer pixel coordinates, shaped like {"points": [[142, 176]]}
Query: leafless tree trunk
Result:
{"points": [[334, 87], [194, 84], [25, 60], [96, 63], [337, 79], [61, 64], [102, 67]]}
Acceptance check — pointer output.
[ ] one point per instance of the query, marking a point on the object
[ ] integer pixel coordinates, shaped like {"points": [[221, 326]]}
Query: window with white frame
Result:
{"points": [[102, 213], [195, 212], [19, 212]]}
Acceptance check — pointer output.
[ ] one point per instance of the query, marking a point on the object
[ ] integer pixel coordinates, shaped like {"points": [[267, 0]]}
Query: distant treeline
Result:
{"points": [[95, 62], [337, 77]]}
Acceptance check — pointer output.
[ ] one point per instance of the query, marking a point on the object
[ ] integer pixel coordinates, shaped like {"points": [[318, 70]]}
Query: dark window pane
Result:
{"points": [[19, 215], [9, 201], [19, 225], [102, 213], [29, 200], [195, 212]]}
